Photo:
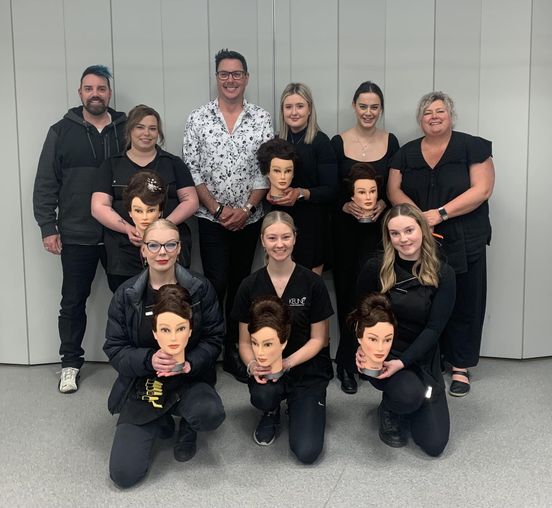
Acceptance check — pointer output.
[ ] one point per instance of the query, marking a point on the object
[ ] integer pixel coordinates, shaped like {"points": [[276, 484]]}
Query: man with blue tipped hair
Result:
{"points": [[74, 148]]}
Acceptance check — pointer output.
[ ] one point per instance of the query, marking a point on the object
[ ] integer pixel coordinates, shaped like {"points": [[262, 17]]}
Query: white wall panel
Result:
{"points": [[505, 57], [457, 55], [361, 52], [13, 319], [538, 281], [408, 63]]}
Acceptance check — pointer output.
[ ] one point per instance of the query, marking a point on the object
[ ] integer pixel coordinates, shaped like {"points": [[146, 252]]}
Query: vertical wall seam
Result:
{"points": [[274, 62], [114, 81], [209, 49], [434, 41], [65, 53], [25, 296], [337, 62], [163, 80]]}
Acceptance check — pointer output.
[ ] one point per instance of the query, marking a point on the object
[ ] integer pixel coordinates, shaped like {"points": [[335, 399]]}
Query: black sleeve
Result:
{"points": [[441, 308], [337, 145], [326, 170], [478, 149], [204, 355], [104, 177], [182, 176], [398, 161], [369, 278], [242, 301], [126, 358], [392, 146], [321, 305], [47, 186]]}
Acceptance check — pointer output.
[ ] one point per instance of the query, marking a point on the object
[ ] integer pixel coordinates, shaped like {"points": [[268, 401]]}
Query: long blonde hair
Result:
{"points": [[274, 217], [312, 125], [426, 268]]}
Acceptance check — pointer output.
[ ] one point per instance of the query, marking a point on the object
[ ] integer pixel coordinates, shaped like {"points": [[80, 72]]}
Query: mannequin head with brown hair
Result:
{"points": [[277, 160], [363, 186]]}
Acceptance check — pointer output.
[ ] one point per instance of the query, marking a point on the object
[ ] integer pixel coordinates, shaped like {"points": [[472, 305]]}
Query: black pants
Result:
{"points": [[227, 257], [79, 264], [404, 394], [461, 339], [354, 243], [307, 414], [200, 406]]}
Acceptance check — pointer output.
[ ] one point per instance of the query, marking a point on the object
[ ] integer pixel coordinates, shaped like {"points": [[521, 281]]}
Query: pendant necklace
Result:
{"points": [[362, 146]]}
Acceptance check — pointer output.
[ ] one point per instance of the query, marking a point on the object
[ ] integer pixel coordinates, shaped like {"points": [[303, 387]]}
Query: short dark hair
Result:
{"points": [[372, 309], [271, 312], [227, 54], [98, 70], [148, 186], [369, 87], [276, 148], [362, 171], [136, 115], [172, 298]]}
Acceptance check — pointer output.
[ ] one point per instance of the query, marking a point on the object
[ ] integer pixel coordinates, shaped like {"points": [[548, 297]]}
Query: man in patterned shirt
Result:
{"points": [[220, 145]]}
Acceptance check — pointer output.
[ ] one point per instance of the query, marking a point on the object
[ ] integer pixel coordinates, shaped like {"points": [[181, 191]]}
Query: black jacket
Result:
{"points": [[123, 325], [71, 154]]}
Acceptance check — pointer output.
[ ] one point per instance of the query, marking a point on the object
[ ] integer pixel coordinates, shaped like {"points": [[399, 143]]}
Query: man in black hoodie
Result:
{"points": [[74, 149]]}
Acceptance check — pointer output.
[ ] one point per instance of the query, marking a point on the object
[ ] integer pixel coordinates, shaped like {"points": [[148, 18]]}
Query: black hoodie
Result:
{"points": [[67, 168]]}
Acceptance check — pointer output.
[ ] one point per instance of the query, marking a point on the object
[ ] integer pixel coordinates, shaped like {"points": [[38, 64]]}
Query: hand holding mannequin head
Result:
{"points": [[277, 160], [364, 182], [172, 321], [144, 198], [269, 327], [374, 325]]}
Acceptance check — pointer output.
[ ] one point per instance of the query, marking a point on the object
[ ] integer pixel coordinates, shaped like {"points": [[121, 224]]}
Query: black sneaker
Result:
{"points": [[390, 428], [265, 433], [185, 447]]}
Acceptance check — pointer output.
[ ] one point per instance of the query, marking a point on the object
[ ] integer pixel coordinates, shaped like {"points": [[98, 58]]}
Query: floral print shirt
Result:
{"points": [[227, 163]]}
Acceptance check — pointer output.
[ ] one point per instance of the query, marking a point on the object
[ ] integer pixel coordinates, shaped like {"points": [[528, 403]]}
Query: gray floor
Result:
{"points": [[55, 449]]}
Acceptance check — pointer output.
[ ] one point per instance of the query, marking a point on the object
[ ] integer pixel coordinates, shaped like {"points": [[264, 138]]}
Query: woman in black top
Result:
{"points": [[135, 355], [422, 292], [314, 185], [449, 175], [143, 131], [354, 242], [306, 356]]}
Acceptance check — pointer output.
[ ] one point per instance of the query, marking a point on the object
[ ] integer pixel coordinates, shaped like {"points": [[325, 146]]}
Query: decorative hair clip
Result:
{"points": [[152, 185]]}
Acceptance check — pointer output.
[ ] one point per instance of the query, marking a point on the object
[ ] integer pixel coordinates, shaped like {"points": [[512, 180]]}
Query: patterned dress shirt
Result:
{"points": [[227, 163]]}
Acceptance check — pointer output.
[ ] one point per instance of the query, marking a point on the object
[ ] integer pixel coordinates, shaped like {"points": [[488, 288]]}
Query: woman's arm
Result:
{"points": [[482, 178], [318, 340], [188, 205], [394, 192], [103, 212]]}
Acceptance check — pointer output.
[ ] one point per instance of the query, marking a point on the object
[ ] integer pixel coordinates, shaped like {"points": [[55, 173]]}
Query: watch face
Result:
{"points": [[252, 209]]}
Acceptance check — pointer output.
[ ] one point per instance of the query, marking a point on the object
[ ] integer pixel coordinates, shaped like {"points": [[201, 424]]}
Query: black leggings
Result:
{"points": [[307, 414], [200, 406], [404, 394]]}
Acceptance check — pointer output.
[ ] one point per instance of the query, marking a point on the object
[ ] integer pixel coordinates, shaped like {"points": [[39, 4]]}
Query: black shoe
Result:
{"points": [[233, 365], [185, 447], [348, 381], [390, 430], [460, 388], [266, 431], [166, 430]]}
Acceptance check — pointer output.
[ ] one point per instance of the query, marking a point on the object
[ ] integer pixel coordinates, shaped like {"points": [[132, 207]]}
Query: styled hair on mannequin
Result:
{"points": [[149, 187], [269, 311], [276, 148]]}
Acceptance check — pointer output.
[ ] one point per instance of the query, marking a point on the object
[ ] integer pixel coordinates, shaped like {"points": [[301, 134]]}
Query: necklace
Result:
{"points": [[362, 145], [296, 141]]}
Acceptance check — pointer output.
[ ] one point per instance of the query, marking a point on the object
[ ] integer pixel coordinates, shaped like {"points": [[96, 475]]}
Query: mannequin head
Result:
{"points": [[277, 160], [374, 325], [269, 327], [172, 321], [144, 198], [364, 183]]}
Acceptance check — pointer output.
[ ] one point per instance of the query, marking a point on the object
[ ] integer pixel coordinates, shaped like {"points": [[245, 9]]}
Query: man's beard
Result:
{"points": [[97, 108]]}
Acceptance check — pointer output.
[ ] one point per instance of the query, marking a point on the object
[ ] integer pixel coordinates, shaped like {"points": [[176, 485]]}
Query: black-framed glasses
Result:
{"points": [[224, 75], [155, 247]]}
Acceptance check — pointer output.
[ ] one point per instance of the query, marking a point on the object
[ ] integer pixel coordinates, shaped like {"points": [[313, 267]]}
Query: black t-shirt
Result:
{"points": [[309, 301], [465, 236]]}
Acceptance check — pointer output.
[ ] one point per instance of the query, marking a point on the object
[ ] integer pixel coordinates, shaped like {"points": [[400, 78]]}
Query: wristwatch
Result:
{"points": [[301, 194], [250, 208], [443, 213]]}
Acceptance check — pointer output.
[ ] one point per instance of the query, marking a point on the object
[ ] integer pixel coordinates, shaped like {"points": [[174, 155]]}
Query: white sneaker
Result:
{"points": [[68, 382]]}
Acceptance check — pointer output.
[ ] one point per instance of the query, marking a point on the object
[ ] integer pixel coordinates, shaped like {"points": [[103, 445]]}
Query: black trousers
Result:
{"points": [[79, 264], [200, 406], [307, 414], [227, 257], [461, 339], [404, 394], [354, 243]]}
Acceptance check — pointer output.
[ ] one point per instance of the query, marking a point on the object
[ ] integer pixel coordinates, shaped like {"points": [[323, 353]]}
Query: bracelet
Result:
{"points": [[249, 373], [218, 211]]}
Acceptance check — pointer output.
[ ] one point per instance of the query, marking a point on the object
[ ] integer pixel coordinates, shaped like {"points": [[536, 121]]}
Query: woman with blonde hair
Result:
{"points": [[421, 290], [314, 185]]}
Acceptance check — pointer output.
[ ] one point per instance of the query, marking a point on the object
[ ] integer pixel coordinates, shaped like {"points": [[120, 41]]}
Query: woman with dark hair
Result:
{"points": [[314, 185], [143, 132], [449, 175], [151, 387], [353, 241], [421, 290], [306, 356]]}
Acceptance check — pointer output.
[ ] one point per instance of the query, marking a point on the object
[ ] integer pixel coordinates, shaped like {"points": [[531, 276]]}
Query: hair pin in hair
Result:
{"points": [[152, 185]]}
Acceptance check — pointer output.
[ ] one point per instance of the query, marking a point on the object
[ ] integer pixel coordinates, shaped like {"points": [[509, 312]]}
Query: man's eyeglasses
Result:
{"points": [[224, 75], [155, 247]]}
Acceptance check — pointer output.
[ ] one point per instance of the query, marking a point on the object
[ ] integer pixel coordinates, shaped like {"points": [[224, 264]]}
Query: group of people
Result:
{"points": [[409, 223]]}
